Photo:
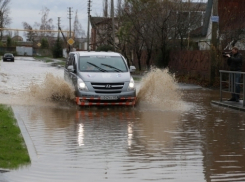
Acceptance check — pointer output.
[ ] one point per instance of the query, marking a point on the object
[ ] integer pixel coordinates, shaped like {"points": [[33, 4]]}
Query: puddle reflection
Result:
{"points": [[80, 134], [130, 134], [124, 142]]}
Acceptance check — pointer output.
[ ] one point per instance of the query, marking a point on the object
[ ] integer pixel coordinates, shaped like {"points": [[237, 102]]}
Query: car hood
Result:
{"points": [[105, 77]]}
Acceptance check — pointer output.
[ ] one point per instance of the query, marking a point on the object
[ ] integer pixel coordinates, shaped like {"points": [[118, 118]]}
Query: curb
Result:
{"points": [[27, 138]]}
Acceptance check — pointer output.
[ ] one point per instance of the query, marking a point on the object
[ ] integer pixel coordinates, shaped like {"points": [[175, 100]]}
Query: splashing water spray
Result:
{"points": [[53, 88], [159, 90]]}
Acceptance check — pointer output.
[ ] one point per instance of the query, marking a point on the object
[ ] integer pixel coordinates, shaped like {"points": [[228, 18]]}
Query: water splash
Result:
{"points": [[159, 89], [53, 88]]}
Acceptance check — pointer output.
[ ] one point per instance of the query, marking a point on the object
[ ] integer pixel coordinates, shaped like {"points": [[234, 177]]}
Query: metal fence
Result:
{"points": [[228, 83]]}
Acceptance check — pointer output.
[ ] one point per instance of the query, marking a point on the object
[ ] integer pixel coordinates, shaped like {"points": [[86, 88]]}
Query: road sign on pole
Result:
{"points": [[70, 41], [215, 19]]}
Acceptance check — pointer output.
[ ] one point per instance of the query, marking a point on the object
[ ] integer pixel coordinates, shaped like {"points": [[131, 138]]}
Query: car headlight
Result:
{"points": [[81, 85], [131, 85]]}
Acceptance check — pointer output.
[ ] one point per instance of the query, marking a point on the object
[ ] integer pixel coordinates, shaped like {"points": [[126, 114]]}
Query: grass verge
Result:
{"points": [[13, 151], [45, 59]]}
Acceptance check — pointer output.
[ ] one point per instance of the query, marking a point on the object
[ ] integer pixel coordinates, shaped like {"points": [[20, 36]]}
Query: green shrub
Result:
{"points": [[105, 48], [57, 49]]}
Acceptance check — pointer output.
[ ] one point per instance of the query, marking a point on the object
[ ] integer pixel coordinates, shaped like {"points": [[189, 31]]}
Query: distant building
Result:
{"points": [[17, 38], [101, 32]]}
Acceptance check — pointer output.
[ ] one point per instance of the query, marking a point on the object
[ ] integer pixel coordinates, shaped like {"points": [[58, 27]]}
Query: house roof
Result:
{"points": [[97, 20], [207, 16], [197, 32], [17, 37], [203, 30], [194, 5]]}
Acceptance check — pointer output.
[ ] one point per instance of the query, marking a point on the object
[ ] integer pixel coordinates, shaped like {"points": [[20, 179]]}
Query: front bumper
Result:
{"points": [[95, 101]]}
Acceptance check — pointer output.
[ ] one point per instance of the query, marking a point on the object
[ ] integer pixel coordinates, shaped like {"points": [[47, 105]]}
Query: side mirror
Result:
{"points": [[132, 68], [70, 68]]}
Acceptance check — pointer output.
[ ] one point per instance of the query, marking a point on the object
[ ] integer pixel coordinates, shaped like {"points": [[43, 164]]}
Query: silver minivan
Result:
{"points": [[100, 78]]}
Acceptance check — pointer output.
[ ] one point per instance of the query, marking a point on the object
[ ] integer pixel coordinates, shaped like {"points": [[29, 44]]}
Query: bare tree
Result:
{"points": [[139, 16], [45, 24], [231, 24], [186, 17], [30, 34], [5, 20], [156, 27]]}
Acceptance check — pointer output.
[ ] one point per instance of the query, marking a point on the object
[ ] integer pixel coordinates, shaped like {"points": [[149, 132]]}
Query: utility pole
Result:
{"points": [[106, 8], [119, 7], [70, 20], [214, 41], [88, 33], [69, 13], [113, 24], [58, 28]]}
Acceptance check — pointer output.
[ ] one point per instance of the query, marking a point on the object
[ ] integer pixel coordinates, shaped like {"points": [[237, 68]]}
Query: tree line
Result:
{"points": [[155, 27]]}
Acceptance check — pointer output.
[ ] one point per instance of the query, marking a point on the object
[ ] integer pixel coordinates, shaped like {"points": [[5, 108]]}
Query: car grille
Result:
{"points": [[107, 88]]}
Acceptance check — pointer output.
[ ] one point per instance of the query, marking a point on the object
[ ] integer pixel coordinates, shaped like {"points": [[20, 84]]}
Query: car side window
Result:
{"points": [[70, 60], [74, 63]]}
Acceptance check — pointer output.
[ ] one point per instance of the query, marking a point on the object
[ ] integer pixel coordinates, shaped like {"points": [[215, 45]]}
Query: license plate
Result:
{"points": [[108, 97], [9, 59]]}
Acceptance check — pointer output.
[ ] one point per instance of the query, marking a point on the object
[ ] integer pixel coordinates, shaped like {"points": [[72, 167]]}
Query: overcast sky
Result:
{"points": [[29, 11]]}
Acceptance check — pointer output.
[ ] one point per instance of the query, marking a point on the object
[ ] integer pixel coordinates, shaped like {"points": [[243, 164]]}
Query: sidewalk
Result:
{"points": [[230, 104]]}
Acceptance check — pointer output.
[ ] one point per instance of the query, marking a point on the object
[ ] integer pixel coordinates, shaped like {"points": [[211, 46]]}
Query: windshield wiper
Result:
{"points": [[99, 68], [116, 69]]}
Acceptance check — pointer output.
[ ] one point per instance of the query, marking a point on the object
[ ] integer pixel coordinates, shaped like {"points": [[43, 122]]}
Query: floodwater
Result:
{"points": [[186, 139]]}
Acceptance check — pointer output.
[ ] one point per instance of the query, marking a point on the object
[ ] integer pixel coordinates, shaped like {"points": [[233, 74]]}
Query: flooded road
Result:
{"points": [[195, 142]]}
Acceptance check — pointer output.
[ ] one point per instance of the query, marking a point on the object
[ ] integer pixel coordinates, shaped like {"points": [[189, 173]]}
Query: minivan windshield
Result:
{"points": [[102, 64]]}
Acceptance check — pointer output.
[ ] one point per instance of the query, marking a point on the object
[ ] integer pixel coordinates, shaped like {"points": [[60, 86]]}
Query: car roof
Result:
{"points": [[93, 53], [8, 54]]}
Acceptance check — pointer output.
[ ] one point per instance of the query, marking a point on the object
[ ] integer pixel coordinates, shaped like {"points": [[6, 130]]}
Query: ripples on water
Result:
{"points": [[101, 145]]}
